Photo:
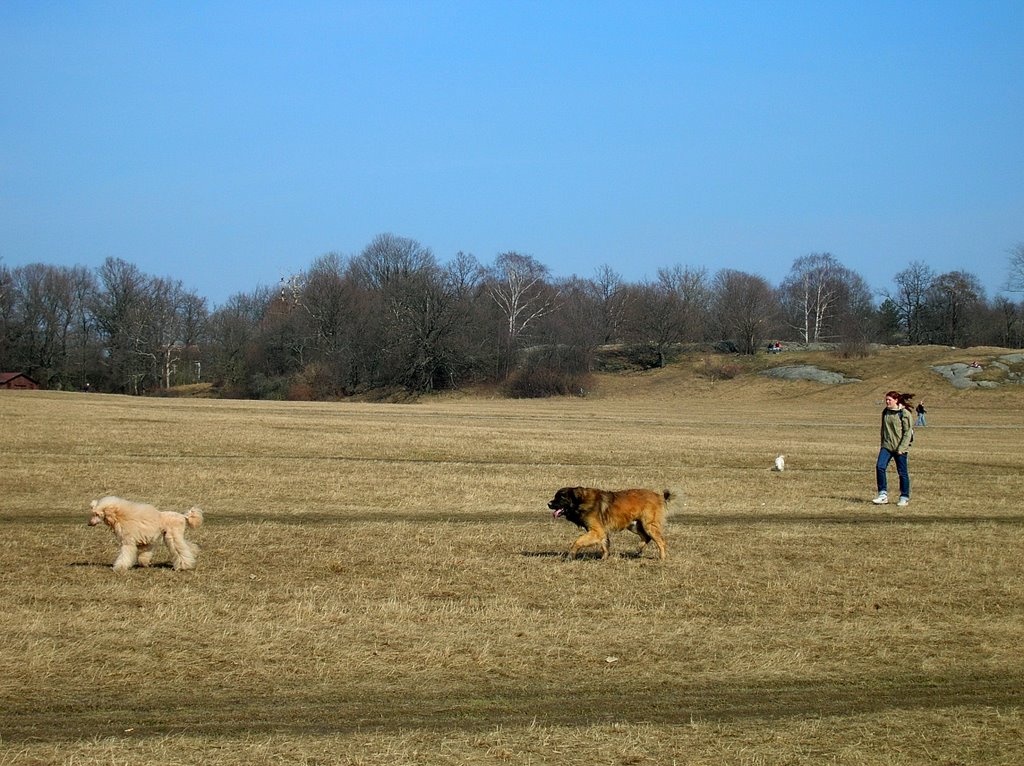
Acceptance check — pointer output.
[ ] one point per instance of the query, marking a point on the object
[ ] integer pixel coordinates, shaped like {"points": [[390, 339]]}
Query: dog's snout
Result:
{"points": [[94, 521]]}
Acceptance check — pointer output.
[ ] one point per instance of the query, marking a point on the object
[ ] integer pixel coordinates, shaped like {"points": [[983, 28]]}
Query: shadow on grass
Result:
{"points": [[859, 517], [603, 701], [586, 555], [752, 518], [108, 565], [544, 554]]}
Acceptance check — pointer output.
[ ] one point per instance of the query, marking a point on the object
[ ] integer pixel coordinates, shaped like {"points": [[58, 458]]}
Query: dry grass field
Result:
{"points": [[383, 584]]}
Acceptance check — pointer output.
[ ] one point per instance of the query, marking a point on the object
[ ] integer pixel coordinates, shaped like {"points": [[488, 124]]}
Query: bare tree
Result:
{"points": [[578, 320], [913, 285], [62, 297], [175, 321], [822, 299], [1015, 281], [86, 364], [954, 302], [689, 293], [613, 302], [44, 317], [1007, 322], [390, 258], [120, 311], [472, 337], [415, 308], [233, 330], [333, 301], [8, 323], [745, 306], [45, 327], [287, 339], [464, 274], [654, 320], [427, 313], [518, 285], [145, 324], [325, 296], [671, 310]]}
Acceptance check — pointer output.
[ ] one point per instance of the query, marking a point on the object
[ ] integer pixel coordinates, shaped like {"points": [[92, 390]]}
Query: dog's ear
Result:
{"points": [[590, 498]]}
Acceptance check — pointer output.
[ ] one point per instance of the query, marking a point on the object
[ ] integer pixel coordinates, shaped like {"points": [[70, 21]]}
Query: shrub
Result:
{"points": [[550, 371], [716, 369], [300, 391], [261, 386], [854, 349], [540, 383], [318, 381]]}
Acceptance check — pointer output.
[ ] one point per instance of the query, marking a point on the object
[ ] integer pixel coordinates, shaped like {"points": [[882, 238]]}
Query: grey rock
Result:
{"points": [[808, 372]]}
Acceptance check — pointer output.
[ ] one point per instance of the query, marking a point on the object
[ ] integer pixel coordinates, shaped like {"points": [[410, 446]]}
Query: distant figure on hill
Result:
{"points": [[920, 414], [897, 435]]}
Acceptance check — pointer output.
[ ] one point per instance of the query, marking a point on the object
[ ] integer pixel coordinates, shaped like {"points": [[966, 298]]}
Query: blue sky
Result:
{"points": [[228, 144]]}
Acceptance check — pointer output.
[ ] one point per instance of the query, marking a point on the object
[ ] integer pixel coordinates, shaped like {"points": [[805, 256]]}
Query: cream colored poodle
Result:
{"points": [[138, 527]]}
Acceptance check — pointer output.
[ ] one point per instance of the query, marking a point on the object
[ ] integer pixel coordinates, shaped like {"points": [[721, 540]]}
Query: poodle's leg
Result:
{"points": [[145, 554], [126, 558], [183, 555]]}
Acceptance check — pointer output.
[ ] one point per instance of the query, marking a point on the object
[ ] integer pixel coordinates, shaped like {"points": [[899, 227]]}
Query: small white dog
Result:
{"points": [[139, 526], [780, 463]]}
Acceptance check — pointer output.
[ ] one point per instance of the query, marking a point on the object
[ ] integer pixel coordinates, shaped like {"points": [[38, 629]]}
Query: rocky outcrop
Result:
{"points": [[808, 372], [961, 375]]}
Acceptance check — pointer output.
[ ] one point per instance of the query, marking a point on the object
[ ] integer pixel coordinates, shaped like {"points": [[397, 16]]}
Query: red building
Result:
{"points": [[18, 380]]}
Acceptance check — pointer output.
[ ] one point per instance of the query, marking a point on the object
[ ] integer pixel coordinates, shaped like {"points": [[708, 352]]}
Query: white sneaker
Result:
{"points": [[882, 499], [903, 501]]}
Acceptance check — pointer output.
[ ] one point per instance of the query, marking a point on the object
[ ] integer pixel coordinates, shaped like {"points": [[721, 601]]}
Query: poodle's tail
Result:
{"points": [[194, 516]]}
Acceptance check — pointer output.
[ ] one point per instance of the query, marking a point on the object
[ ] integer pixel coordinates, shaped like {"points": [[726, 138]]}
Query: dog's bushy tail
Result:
{"points": [[194, 516], [669, 496]]}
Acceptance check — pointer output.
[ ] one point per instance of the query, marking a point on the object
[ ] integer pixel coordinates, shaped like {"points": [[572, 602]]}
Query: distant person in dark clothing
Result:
{"points": [[920, 414]]}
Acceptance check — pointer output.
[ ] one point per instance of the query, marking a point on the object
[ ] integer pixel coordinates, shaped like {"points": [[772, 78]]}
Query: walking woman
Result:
{"points": [[897, 435]]}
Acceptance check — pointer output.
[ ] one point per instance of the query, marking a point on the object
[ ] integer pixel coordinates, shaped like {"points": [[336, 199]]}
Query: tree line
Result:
{"points": [[394, 317]]}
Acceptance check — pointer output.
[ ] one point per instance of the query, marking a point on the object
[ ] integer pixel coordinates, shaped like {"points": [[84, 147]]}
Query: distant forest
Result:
{"points": [[393, 318]]}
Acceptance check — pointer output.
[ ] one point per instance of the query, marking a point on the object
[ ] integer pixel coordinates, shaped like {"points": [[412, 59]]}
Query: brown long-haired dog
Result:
{"points": [[139, 526], [601, 512]]}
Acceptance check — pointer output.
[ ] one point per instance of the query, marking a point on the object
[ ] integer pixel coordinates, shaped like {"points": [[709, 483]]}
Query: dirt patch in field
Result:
{"points": [[614, 699]]}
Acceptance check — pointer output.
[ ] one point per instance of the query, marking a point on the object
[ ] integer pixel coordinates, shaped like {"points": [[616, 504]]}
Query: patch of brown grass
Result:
{"points": [[384, 584]]}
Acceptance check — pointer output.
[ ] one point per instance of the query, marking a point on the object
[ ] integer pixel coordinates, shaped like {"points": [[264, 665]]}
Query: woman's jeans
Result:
{"points": [[884, 456]]}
